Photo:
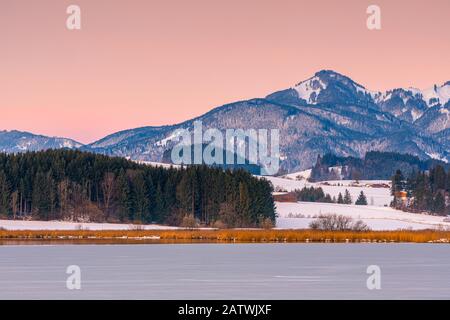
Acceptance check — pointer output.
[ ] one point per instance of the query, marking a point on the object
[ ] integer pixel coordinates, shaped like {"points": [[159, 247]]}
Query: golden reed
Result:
{"points": [[232, 235]]}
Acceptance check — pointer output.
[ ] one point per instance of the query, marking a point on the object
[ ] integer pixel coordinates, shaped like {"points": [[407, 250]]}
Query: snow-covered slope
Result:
{"points": [[437, 94], [378, 215], [299, 215], [301, 175], [375, 195], [327, 113], [18, 141], [327, 86], [158, 164], [290, 216]]}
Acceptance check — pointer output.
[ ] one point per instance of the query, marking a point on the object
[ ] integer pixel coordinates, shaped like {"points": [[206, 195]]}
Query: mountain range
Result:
{"points": [[18, 141], [327, 113]]}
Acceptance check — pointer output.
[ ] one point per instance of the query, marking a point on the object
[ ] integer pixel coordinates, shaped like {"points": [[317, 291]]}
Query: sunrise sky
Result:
{"points": [[153, 62]]}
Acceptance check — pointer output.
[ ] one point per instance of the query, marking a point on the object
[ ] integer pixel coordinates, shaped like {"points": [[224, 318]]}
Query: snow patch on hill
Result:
{"points": [[300, 175], [299, 216], [310, 89], [442, 94], [376, 195], [158, 164], [436, 156], [377, 215]]}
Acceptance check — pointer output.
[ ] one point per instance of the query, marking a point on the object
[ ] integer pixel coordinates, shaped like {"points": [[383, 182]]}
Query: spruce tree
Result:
{"points": [[4, 194], [439, 203], [347, 197], [123, 197], [159, 209], [397, 182], [340, 198], [244, 204], [362, 200]]}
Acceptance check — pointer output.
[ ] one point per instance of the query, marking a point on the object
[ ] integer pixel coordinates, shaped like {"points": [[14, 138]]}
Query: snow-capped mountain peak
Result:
{"points": [[18, 141], [329, 86], [310, 89], [437, 94], [327, 113]]}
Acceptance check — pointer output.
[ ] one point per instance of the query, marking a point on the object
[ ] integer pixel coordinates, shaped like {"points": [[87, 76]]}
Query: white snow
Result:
{"points": [[337, 170], [442, 93], [383, 96], [415, 114], [305, 89], [378, 215], [436, 156], [363, 90], [172, 136], [157, 164], [67, 144], [377, 218], [375, 196], [62, 225], [301, 175]]}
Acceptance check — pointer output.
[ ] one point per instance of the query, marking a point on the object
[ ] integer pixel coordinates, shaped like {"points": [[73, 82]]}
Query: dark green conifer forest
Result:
{"points": [[81, 186]]}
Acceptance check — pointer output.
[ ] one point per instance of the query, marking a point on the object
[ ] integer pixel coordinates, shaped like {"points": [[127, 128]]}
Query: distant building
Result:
{"points": [[284, 197], [401, 199]]}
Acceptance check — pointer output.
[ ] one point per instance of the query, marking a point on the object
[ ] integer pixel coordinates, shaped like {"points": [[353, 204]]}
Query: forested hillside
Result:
{"points": [[374, 166], [81, 186]]}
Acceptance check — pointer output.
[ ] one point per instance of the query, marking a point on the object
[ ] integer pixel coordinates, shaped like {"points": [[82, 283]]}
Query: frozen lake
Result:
{"points": [[226, 271]]}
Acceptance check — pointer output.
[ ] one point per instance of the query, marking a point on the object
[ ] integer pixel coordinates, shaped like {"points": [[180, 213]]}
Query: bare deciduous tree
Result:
{"points": [[108, 188], [63, 193], [334, 222]]}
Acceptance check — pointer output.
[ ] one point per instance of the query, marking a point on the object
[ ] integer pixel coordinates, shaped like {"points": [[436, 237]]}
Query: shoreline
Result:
{"points": [[221, 236]]}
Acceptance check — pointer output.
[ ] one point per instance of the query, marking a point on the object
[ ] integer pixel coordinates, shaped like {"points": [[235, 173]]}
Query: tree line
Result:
{"points": [[82, 186], [312, 194], [425, 191], [375, 165]]}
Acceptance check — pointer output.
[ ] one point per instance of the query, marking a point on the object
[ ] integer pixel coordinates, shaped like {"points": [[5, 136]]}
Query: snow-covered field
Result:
{"points": [[61, 225], [377, 218], [375, 196], [300, 175], [377, 215]]}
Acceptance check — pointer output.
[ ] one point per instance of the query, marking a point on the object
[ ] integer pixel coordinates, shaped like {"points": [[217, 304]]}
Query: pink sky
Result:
{"points": [[138, 63]]}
